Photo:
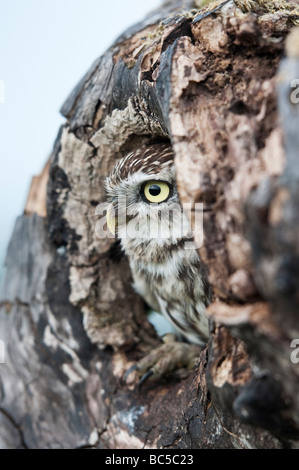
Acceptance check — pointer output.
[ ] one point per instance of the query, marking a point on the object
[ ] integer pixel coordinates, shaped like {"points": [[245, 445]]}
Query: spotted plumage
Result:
{"points": [[155, 235]]}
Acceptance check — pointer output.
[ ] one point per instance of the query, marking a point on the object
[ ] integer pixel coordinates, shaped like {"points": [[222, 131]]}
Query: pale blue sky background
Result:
{"points": [[46, 46]]}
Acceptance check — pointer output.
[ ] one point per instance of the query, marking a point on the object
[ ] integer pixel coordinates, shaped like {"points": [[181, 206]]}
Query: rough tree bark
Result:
{"points": [[216, 82]]}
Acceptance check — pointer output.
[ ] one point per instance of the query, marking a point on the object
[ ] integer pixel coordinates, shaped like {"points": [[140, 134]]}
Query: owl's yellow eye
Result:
{"points": [[156, 191]]}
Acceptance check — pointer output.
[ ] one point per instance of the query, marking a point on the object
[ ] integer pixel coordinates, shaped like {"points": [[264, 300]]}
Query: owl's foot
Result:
{"points": [[167, 359]]}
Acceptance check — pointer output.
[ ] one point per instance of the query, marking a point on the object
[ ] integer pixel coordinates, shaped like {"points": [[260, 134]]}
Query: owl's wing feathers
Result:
{"points": [[193, 325], [188, 318]]}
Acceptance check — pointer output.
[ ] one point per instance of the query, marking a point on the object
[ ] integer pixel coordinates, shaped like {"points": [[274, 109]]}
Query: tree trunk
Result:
{"points": [[213, 80]]}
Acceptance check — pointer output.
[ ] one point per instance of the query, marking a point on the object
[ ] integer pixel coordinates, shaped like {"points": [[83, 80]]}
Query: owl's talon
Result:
{"points": [[145, 376], [168, 359], [129, 371]]}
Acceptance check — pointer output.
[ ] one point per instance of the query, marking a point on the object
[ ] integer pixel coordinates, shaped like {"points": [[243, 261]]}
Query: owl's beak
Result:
{"points": [[111, 220], [114, 221]]}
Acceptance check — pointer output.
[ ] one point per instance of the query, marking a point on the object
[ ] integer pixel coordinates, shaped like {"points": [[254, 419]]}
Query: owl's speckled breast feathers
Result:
{"points": [[154, 234]]}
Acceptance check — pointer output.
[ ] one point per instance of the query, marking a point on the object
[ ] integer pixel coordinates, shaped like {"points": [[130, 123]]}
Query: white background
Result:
{"points": [[46, 46]]}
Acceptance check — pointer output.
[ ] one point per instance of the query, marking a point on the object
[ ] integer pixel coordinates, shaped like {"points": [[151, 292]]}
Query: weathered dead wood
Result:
{"points": [[37, 197], [207, 80]]}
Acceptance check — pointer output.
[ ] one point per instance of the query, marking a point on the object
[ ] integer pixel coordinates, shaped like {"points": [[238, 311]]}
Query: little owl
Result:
{"points": [[154, 233]]}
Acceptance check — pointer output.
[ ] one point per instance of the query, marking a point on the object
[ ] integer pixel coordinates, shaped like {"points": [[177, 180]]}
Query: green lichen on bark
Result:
{"points": [[270, 6], [261, 7]]}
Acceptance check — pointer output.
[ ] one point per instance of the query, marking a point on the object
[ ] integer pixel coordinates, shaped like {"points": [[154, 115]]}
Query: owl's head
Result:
{"points": [[143, 198]]}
